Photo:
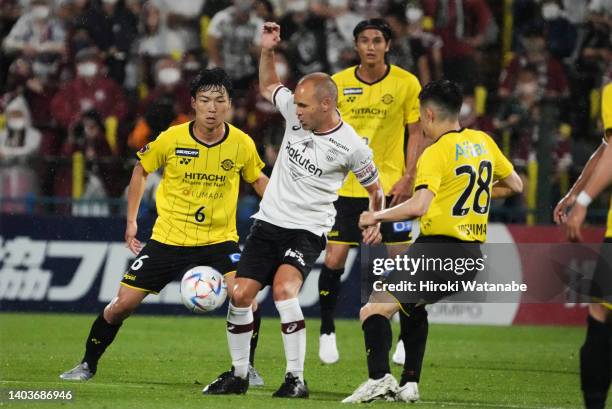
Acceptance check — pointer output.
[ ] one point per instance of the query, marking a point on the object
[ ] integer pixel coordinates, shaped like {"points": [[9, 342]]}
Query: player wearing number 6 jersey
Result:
{"points": [[203, 161], [457, 175]]}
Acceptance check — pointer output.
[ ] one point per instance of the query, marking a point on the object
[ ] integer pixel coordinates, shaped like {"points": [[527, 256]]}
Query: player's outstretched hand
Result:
{"points": [[131, 242], [270, 36], [560, 212], [574, 221], [401, 191]]}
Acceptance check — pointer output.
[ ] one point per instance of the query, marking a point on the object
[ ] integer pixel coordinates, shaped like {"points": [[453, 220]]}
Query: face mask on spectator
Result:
{"points": [[414, 14], [465, 110], [168, 76], [87, 69], [527, 88], [192, 66], [40, 12], [16, 124], [551, 11]]}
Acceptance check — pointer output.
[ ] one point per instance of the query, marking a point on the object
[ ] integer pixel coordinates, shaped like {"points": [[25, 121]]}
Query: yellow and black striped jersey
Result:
{"points": [[196, 199], [460, 168], [379, 112], [606, 116]]}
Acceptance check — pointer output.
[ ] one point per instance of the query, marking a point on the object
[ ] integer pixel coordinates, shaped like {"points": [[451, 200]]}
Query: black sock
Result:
{"points": [[255, 337], [377, 335], [595, 364], [329, 291], [413, 331], [100, 337]]}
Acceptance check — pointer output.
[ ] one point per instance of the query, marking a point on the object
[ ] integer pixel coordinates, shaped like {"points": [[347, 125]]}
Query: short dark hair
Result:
{"points": [[214, 78], [445, 95], [375, 24]]}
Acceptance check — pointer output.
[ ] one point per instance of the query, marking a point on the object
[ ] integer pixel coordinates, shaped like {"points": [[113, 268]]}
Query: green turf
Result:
{"points": [[164, 362]]}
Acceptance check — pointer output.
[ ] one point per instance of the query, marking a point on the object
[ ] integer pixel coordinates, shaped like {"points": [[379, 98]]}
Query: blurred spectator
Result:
{"points": [[37, 31], [168, 104], [561, 33], [427, 40], [191, 64], [183, 17], [89, 90], [19, 141], [233, 42], [304, 38], [464, 26], [339, 36], [369, 8], [406, 52], [264, 9], [157, 38], [112, 28], [551, 77]]}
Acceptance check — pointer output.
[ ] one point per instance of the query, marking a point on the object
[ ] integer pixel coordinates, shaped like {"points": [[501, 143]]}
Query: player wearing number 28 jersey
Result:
{"points": [[203, 163]]}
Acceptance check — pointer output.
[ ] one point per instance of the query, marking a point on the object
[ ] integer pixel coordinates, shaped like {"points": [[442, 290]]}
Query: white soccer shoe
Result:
{"points": [[408, 393], [81, 372], [328, 351], [374, 389], [399, 356]]}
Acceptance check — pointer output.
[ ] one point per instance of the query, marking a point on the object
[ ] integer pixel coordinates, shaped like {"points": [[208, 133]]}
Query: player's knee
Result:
{"points": [[118, 310], [599, 312], [241, 297], [334, 258], [284, 290]]}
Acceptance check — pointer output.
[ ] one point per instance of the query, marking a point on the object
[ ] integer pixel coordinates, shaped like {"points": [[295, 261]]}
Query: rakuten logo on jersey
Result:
{"points": [[298, 158]]}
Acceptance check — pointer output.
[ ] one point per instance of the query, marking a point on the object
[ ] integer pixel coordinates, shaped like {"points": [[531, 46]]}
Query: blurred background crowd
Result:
{"points": [[86, 83]]}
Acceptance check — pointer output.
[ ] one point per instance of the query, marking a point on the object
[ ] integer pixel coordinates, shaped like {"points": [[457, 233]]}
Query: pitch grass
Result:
{"points": [[164, 362]]}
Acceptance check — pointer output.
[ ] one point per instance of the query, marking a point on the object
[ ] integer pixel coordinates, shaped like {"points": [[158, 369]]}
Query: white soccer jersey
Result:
{"points": [[310, 169]]}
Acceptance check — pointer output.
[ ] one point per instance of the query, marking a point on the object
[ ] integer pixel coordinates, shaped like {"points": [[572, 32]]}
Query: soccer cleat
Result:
{"points": [[293, 387], [399, 356], [328, 351], [227, 383], [374, 389], [408, 393], [255, 378], [81, 372]]}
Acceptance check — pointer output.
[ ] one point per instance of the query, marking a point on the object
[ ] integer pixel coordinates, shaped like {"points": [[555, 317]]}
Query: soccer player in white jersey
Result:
{"points": [[317, 152]]}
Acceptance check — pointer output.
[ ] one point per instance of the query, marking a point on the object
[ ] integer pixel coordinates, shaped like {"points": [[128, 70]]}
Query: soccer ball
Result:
{"points": [[203, 289]]}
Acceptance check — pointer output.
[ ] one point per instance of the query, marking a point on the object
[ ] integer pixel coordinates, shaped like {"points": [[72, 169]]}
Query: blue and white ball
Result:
{"points": [[203, 289]]}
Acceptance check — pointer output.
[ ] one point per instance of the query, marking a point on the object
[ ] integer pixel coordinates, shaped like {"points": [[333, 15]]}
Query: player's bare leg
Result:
{"points": [[239, 334], [329, 292], [104, 330], [285, 290], [255, 378]]}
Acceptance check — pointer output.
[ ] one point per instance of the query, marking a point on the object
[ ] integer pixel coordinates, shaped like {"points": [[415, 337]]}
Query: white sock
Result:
{"points": [[293, 330], [239, 333]]}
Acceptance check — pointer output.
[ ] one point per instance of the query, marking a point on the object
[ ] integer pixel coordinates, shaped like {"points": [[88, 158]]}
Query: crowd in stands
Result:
{"points": [[104, 77]]}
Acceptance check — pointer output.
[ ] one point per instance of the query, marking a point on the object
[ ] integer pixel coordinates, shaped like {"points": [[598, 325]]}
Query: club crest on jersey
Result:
{"points": [[352, 91], [227, 164], [144, 149], [387, 99], [331, 155], [190, 153]]}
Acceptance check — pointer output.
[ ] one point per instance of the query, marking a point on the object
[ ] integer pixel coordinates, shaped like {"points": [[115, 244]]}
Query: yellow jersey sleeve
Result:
{"points": [[153, 155], [253, 163], [430, 170], [606, 110], [503, 168], [411, 104]]}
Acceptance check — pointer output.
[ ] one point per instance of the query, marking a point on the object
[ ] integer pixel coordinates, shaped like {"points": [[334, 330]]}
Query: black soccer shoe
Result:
{"points": [[227, 384], [292, 388]]}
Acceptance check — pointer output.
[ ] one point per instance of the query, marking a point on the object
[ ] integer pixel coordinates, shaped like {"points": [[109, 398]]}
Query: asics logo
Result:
{"points": [[291, 328]]}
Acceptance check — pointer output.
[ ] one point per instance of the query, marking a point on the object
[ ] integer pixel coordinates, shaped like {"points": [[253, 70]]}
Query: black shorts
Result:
{"points": [[601, 286], [346, 227], [441, 251], [158, 264], [268, 246]]}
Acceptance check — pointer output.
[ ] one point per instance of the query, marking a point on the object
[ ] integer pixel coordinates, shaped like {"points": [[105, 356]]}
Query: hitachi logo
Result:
{"points": [[370, 111], [204, 176], [295, 156]]}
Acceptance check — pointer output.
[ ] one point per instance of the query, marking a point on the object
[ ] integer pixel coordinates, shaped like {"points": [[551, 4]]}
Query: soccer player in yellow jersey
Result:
{"points": [[457, 175], [203, 163], [379, 101], [595, 354]]}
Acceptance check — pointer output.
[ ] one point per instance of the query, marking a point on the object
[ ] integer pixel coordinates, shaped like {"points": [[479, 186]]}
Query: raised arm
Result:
{"points": [[268, 79]]}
